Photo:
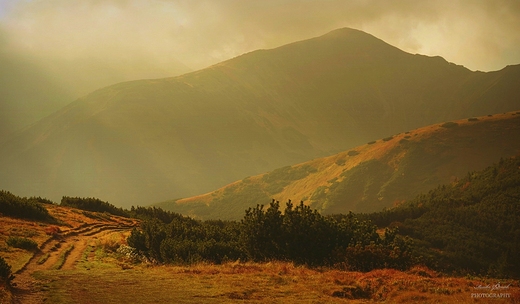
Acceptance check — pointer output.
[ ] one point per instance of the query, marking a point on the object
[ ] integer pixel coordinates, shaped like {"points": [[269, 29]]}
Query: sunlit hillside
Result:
{"points": [[368, 178]]}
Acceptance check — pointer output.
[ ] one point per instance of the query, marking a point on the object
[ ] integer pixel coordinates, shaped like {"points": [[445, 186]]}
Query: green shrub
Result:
{"points": [[388, 138], [473, 119], [22, 207], [392, 251], [341, 162], [63, 257], [371, 142], [41, 200], [276, 180], [147, 213], [352, 153], [6, 274], [449, 124], [92, 204], [21, 242]]}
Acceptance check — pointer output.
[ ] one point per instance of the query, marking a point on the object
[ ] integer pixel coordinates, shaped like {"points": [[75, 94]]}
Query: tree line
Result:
{"points": [[300, 235]]}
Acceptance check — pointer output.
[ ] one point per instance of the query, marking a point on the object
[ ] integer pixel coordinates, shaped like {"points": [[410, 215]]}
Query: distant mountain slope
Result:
{"points": [[150, 140], [371, 177]]}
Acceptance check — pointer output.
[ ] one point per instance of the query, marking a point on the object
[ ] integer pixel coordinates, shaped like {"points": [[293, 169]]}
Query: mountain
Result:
{"points": [[371, 177], [151, 140]]}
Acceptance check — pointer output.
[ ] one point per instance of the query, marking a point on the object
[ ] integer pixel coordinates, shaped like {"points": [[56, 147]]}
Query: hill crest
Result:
{"points": [[368, 178]]}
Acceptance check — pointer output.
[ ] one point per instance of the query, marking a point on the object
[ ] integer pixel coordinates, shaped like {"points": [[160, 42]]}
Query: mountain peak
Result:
{"points": [[146, 141]]}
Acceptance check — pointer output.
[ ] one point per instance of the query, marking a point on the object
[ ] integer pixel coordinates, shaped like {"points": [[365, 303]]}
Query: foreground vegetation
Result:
{"points": [[273, 282], [467, 228], [26, 208], [299, 235]]}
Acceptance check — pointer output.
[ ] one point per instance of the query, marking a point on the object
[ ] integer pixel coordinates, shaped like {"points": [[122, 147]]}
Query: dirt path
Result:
{"points": [[62, 251]]}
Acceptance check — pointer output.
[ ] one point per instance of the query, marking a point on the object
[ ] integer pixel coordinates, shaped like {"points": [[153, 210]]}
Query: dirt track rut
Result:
{"points": [[62, 251]]}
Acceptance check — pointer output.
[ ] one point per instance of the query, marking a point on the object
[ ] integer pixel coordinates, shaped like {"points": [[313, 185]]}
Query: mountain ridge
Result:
{"points": [[149, 140], [371, 177]]}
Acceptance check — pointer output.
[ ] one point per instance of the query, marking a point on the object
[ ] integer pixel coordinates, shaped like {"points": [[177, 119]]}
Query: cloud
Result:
{"points": [[82, 45], [155, 37], [199, 33]]}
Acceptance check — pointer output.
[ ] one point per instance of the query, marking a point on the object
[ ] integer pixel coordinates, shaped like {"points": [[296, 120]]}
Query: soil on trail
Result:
{"points": [[61, 251]]}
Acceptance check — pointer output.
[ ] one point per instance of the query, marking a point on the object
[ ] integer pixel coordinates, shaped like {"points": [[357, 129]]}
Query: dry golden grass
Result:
{"points": [[274, 282]]}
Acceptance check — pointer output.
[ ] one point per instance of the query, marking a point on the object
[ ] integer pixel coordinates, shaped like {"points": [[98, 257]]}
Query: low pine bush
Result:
{"points": [[22, 207], [5, 272], [449, 124], [21, 242]]}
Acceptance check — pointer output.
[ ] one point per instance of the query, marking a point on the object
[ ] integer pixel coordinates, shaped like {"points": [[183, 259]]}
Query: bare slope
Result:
{"points": [[372, 176], [150, 140]]}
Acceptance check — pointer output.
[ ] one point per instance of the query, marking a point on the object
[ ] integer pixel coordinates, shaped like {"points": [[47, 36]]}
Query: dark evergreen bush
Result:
{"points": [[449, 124], [21, 207], [92, 204], [304, 236], [6, 274], [352, 153], [21, 242]]}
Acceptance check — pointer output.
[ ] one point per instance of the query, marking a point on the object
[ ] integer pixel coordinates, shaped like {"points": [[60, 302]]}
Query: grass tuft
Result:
{"points": [[43, 258], [63, 257]]}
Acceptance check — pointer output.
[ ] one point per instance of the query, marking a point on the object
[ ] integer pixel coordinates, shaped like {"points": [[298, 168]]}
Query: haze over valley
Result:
{"points": [[145, 141]]}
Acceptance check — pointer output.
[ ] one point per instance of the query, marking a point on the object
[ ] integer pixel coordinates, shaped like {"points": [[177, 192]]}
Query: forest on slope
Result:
{"points": [[470, 225]]}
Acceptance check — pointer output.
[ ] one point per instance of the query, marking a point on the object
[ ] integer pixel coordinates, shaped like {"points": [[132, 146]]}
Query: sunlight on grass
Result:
{"points": [[275, 282], [43, 258], [62, 258], [20, 258]]}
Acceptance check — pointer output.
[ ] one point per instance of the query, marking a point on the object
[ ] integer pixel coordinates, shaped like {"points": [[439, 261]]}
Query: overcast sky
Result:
{"points": [[81, 45]]}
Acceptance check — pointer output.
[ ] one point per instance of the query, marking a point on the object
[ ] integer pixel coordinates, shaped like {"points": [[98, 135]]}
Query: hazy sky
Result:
{"points": [[80, 45]]}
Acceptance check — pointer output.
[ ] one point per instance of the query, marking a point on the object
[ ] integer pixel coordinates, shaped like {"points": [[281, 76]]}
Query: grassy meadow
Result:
{"points": [[102, 274], [275, 282]]}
